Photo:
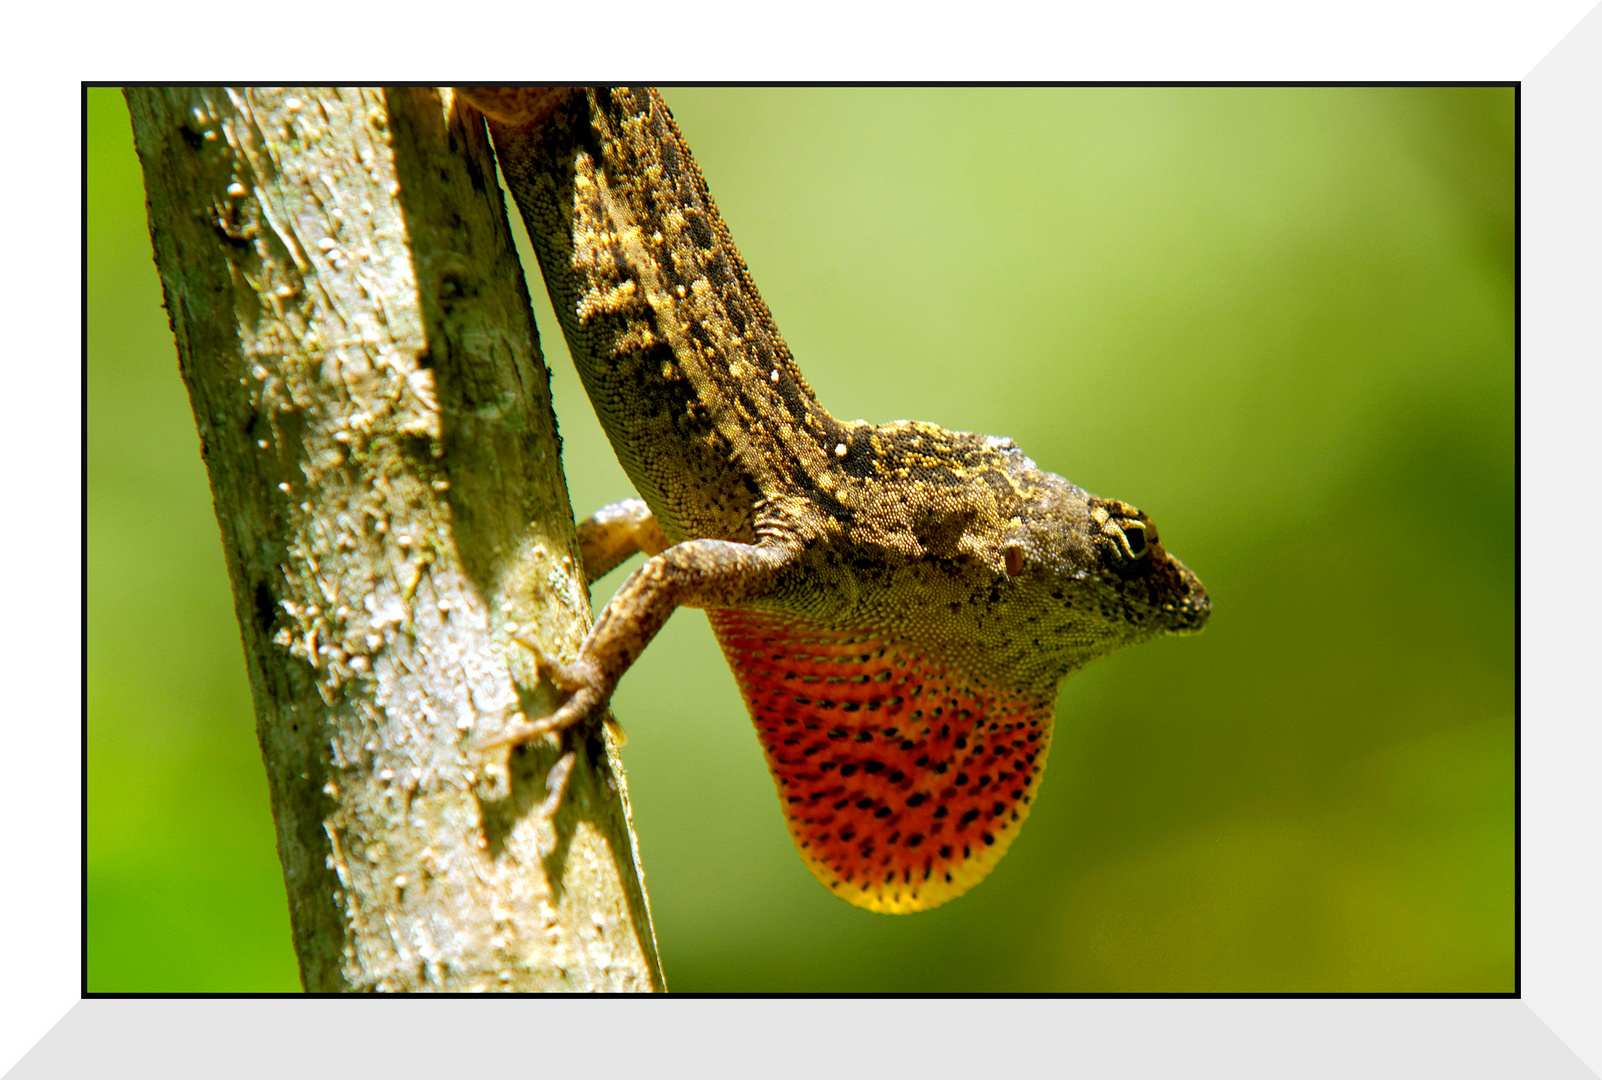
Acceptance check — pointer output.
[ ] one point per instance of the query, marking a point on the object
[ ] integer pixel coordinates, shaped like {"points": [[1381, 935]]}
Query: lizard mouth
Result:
{"points": [[1187, 610], [1191, 616]]}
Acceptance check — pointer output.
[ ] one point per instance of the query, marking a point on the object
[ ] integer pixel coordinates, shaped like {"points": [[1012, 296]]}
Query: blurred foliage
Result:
{"points": [[1281, 321]]}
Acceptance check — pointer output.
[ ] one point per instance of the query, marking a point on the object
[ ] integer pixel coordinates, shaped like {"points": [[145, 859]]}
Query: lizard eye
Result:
{"points": [[1135, 538]]}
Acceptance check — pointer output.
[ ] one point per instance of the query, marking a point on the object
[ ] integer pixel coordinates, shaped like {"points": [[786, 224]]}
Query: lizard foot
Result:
{"points": [[696, 573], [587, 692], [565, 677]]}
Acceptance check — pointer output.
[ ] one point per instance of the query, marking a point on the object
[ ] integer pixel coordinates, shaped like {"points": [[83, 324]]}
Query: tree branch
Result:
{"points": [[375, 418]]}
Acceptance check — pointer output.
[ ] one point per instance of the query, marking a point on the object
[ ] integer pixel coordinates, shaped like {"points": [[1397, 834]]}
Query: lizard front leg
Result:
{"points": [[696, 573], [613, 533]]}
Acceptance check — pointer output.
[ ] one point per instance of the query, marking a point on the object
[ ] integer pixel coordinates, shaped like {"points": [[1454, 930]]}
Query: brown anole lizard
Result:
{"points": [[899, 603]]}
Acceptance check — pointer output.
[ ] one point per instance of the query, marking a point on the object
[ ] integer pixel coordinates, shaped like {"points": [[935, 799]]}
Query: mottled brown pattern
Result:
{"points": [[950, 548]]}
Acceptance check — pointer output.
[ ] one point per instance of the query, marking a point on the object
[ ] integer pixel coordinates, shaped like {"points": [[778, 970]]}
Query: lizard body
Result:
{"points": [[899, 603]]}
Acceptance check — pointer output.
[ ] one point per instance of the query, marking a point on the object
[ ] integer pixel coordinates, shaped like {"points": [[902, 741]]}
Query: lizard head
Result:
{"points": [[1158, 592], [1094, 575], [1013, 573]]}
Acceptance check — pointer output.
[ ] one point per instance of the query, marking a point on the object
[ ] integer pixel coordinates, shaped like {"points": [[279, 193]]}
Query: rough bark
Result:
{"points": [[375, 419]]}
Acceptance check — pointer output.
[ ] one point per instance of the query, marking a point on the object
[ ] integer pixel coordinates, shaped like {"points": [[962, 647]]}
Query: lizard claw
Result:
{"points": [[565, 677], [575, 710], [581, 681]]}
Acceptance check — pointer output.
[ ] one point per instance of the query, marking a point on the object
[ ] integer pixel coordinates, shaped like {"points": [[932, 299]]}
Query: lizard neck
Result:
{"points": [[692, 382]]}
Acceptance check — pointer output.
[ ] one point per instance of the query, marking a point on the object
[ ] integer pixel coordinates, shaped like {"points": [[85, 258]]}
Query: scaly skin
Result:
{"points": [[898, 602]]}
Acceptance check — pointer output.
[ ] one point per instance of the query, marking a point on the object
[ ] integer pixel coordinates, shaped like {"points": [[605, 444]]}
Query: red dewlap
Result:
{"points": [[903, 781]]}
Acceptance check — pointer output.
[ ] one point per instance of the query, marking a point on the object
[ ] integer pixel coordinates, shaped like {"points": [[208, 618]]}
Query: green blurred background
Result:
{"points": [[1280, 321]]}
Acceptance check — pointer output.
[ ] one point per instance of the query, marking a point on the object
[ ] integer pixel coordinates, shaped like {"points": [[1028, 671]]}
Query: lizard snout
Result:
{"points": [[1192, 605]]}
